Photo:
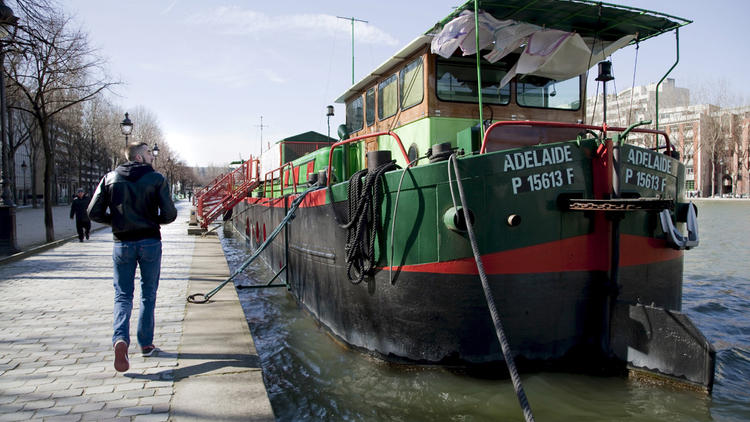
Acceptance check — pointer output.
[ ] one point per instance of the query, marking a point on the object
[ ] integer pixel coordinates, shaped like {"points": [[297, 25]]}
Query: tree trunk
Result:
{"points": [[49, 168]]}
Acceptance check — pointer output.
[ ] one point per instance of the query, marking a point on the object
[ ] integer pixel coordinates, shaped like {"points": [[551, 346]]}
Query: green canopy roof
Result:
{"points": [[604, 21]]}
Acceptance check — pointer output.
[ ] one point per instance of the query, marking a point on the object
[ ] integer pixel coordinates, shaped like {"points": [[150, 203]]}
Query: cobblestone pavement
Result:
{"points": [[56, 357], [30, 229]]}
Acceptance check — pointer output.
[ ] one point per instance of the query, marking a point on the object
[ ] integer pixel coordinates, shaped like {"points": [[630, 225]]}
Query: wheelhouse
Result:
{"points": [[427, 97]]}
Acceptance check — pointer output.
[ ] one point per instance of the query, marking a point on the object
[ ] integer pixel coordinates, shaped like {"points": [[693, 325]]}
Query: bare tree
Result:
{"points": [[146, 127], [98, 120], [55, 72]]}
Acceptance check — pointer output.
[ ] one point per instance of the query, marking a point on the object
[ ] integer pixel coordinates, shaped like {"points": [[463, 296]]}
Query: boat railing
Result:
{"points": [[580, 126], [270, 177], [359, 138]]}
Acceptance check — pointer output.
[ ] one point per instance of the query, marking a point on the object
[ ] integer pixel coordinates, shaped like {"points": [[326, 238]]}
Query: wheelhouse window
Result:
{"points": [[370, 106], [457, 81], [536, 91], [411, 82], [354, 115], [387, 97]]}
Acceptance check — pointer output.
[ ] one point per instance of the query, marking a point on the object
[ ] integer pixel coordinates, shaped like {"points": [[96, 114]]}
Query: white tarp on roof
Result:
{"points": [[549, 53]]}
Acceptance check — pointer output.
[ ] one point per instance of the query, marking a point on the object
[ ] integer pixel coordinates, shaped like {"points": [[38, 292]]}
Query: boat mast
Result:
{"points": [[479, 70], [358, 20], [677, 60], [261, 126]]}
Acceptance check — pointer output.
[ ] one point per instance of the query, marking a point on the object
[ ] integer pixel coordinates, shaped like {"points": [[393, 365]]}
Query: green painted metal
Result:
{"points": [[479, 67], [420, 224], [422, 236], [677, 60]]}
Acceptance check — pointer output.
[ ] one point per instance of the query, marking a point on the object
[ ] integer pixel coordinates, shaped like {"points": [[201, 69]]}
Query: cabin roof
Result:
{"points": [[311, 137], [605, 21]]}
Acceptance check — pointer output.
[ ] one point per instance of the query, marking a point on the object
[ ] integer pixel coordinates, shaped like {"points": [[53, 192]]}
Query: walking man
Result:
{"points": [[134, 199], [78, 209]]}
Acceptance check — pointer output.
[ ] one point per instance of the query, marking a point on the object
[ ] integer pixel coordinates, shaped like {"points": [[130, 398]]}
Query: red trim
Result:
{"points": [[581, 253], [314, 199], [310, 169], [603, 128]]}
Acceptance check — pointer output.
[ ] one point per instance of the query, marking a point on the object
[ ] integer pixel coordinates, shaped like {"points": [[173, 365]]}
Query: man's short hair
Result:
{"points": [[135, 148]]}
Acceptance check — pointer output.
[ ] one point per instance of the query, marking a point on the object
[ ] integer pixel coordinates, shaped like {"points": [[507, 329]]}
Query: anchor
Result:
{"points": [[674, 237]]}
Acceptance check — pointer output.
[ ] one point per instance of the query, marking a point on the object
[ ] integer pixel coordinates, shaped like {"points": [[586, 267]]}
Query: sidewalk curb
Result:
{"points": [[41, 248]]}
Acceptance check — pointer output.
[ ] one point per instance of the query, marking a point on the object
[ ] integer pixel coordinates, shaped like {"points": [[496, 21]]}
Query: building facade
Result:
{"points": [[712, 142]]}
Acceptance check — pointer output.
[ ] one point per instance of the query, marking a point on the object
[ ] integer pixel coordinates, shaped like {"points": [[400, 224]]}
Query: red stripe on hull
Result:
{"points": [[582, 253]]}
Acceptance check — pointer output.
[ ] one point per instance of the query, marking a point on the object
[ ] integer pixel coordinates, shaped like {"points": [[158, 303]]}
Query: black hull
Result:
{"points": [[444, 318]]}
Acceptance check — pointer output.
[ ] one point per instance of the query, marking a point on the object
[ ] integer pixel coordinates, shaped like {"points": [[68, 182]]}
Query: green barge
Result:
{"points": [[579, 230]]}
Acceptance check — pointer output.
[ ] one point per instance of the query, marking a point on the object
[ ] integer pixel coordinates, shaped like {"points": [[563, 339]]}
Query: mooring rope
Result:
{"points": [[363, 212], [194, 298], [504, 345]]}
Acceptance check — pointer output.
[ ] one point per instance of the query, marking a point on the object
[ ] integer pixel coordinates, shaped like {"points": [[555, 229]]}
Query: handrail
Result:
{"points": [[677, 60], [281, 179], [359, 138], [571, 126]]}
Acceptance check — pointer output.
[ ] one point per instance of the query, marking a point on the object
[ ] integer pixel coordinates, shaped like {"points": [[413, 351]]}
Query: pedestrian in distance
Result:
{"points": [[134, 199], [79, 209]]}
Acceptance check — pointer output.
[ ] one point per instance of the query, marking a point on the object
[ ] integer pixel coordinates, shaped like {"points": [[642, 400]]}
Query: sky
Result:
{"points": [[210, 69]]}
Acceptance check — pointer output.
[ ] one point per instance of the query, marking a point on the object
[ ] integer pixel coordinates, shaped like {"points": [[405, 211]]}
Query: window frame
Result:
{"points": [[349, 128], [394, 76], [368, 107], [580, 100], [510, 84], [401, 74]]}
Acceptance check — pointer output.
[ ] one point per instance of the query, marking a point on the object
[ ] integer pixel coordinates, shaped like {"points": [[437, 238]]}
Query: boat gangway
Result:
{"points": [[226, 191]]}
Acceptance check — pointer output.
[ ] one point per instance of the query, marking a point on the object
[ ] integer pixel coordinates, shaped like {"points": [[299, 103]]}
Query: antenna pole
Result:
{"points": [[261, 126], [353, 20]]}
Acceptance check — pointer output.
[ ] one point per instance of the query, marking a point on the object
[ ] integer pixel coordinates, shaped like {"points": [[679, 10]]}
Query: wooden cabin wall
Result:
{"points": [[431, 106]]}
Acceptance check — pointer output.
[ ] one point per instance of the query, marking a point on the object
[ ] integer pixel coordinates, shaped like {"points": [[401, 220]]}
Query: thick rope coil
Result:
{"points": [[363, 213]]}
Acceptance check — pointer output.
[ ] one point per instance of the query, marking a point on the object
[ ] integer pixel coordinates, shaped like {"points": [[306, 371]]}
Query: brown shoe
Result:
{"points": [[121, 356]]}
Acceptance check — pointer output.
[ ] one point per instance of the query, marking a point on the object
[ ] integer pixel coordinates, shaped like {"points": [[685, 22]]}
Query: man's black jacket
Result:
{"points": [[78, 208], [134, 199]]}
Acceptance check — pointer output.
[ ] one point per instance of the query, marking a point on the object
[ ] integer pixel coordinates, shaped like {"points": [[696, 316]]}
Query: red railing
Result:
{"points": [[269, 178], [226, 191], [603, 128], [359, 138]]}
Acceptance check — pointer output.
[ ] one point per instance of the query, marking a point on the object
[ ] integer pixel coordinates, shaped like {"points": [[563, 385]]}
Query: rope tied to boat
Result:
{"points": [[499, 331], [205, 297], [363, 213]]}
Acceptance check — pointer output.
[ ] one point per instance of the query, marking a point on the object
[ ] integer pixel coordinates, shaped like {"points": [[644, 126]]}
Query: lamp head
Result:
{"points": [[126, 126]]}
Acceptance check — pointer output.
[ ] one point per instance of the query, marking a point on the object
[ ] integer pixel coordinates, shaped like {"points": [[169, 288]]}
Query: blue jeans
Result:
{"points": [[126, 255]]}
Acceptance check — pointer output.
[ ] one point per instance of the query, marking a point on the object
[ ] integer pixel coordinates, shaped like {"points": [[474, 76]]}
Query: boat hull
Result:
{"points": [[551, 285]]}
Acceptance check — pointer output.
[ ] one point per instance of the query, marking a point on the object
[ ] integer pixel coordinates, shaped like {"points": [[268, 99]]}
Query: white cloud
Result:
{"points": [[273, 76], [235, 20], [169, 7]]}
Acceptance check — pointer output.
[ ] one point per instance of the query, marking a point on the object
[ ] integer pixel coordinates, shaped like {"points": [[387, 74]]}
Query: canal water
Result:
{"points": [[309, 376]]}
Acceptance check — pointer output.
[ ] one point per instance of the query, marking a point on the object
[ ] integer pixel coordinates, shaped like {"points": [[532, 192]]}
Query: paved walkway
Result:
{"points": [[30, 229], [55, 338]]}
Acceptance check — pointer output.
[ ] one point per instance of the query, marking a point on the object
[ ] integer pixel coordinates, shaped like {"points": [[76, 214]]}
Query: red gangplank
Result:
{"points": [[226, 191]]}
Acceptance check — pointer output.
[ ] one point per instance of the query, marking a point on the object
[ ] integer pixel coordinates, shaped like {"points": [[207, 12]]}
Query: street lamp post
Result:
{"points": [[23, 168], [155, 150], [7, 19], [7, 207], [329, 113], [126, 127]]}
